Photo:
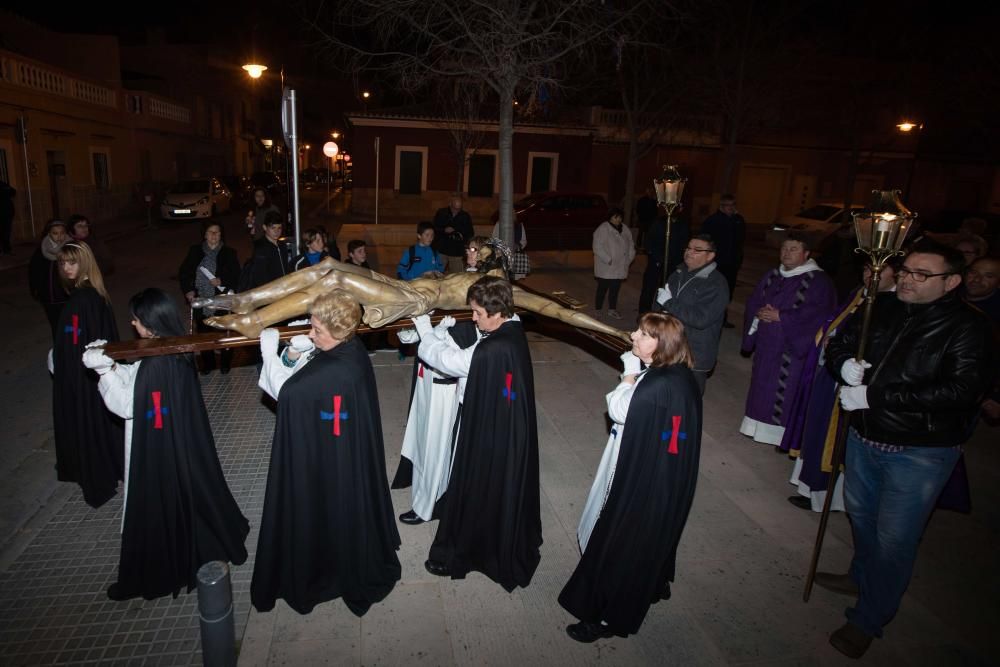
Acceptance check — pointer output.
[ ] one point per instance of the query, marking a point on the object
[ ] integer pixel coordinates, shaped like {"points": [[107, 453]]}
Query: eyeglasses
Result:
{"points": [[918, 276], [699, 249]]}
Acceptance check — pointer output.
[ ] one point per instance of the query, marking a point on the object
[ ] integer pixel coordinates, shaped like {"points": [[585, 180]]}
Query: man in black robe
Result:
{"points": [[491, 522], [328, 528], [630, 557]]}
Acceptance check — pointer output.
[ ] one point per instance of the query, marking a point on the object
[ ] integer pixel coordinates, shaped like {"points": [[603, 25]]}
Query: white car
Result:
{"points": [[815, 223], [195, 198]]}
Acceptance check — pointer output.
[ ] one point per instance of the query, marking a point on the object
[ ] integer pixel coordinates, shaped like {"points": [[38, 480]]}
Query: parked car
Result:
{"points": [[195, 198], [559, 220], [816, 223]]}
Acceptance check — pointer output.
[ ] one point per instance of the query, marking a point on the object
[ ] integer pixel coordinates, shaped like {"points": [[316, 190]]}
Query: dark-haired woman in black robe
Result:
{"points": [[628, 561], [88, 438], [179, 512]]}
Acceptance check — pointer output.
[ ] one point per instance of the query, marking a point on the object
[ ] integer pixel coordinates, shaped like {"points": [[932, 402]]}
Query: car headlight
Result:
{"points": [[203, 200]]}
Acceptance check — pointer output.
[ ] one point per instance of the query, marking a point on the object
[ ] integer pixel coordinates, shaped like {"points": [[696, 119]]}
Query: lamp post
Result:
{"points": [[330, 149], [669, 190], [880, 230]]}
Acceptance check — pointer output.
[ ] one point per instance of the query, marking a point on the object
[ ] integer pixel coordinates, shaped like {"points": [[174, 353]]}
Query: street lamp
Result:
{"points": [[335, 135], [330, 150], [669, 190], [881, 230], [254, 70], [906, 127]]}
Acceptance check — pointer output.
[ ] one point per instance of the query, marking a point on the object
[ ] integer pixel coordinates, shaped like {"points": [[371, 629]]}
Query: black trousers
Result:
{"points": [[611, 287], [652, 279], [208, 357], [6, 225]]}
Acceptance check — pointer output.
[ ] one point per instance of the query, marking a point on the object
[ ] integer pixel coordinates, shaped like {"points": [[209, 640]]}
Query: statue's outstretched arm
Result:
{"points": [[544, 306]]}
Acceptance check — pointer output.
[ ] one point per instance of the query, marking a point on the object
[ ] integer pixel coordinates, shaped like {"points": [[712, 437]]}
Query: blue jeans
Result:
{"points": [[889, 496]]}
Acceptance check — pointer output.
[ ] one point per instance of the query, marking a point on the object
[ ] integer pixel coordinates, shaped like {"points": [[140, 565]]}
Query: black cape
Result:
{"points": [[90, 443], [491, 522], [179, 513], [328, 528], [633, 548], [465, 334]]}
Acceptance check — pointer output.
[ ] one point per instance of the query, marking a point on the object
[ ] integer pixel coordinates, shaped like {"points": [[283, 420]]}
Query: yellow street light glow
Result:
{"points": [[335, 135], [906, 126], [366, 94], [255, 70]]}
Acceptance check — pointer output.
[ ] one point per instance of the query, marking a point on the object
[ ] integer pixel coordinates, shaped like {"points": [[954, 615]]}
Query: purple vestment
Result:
{"points": [[804, 299]]}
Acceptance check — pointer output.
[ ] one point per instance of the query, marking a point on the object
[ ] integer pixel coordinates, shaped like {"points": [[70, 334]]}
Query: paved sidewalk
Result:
{"points": [[737, 598]]}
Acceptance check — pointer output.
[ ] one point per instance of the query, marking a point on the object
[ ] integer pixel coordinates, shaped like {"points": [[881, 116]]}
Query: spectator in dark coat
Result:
{"points": [[7, 195], [209, 268], [728, 229], [314, 249], [81, 229], [271, 255], [452, 229], [43, 273]]}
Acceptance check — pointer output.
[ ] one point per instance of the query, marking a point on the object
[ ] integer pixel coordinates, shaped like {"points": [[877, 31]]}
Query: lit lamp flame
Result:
{"points": [[882, 229], [255, 70]]}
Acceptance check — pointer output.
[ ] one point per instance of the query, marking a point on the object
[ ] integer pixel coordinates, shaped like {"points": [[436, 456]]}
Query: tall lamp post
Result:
{"points": [[330, 149], [880, 230], [289, 129], [906, 127], [669, 190]]}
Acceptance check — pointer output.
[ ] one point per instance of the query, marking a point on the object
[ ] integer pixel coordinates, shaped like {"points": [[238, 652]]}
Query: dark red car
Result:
{"points": [[559, 220]]}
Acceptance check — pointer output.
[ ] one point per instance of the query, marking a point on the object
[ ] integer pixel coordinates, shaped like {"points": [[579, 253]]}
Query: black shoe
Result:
{"points": [[665, 593], [837, 583], [437, 569], [850, 640], [728, 325], [117, 593], [801, 502], [411, 518], [206, 371], [224, 370], [588, 633]]}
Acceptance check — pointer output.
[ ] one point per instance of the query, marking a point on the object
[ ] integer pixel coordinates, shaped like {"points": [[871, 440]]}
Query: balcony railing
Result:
{"points": [[48, 80]]}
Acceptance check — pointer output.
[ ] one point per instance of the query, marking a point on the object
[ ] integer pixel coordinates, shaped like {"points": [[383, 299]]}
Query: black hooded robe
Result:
{"points": [[465, 334], [179, 512], [633, 548], [328, 529], [491, 522], [90, 443]]}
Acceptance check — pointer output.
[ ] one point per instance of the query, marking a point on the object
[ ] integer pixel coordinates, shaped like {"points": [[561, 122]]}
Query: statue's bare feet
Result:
{"points": [[247, 324], [234, 303]]}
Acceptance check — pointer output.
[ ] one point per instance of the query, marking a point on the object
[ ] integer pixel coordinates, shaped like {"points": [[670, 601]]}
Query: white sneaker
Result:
{"points": [[614, 314]]}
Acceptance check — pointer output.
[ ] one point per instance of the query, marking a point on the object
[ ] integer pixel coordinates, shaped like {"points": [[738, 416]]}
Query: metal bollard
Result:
{"points": [[215, 607]]}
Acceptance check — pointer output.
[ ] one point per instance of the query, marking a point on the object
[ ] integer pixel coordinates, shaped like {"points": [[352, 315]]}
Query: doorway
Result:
{"points": [[58, 190]]}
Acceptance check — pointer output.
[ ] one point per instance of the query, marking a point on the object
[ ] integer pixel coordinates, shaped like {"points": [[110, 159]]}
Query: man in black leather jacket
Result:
{"points": [[913, 402]]}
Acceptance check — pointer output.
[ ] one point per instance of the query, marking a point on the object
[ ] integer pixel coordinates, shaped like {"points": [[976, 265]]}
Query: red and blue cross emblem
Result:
{"points": [[508, 390], [674, 435], [336, 416], [156, 414], [74, 329]]}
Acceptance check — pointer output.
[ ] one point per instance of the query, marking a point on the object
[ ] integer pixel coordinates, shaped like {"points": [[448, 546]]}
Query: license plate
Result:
{"points": [[182, 211]]}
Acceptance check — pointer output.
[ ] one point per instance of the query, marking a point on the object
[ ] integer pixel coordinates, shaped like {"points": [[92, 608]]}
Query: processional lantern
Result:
{"points": [[669, 189]]}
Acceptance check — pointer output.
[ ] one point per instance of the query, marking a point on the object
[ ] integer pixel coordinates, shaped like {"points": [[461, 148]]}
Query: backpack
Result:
{"points": [[411, 258]]}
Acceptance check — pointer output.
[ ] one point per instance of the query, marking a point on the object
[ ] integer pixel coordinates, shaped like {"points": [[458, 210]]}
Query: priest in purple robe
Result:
{"points": [[783, 314]]}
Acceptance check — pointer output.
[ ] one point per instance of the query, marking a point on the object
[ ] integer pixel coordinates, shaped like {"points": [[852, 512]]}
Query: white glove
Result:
{"points": [[854, 398], [100, 342], [96, 359], [423, 325], [853, 372], [302, 344], [293, 323], [269, 343], [663, 295], [632, 364], [441, 330], [407, 336], [51, 363]]}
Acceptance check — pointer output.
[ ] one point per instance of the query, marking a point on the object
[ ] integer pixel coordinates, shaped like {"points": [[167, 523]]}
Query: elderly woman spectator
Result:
{"points": [[641, 495], [327, 529], [43, 273], [614, 251], [81, 229], [210, 267]]}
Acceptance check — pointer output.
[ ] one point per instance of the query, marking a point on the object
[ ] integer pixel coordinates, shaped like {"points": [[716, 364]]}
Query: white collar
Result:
{"points": [[810, 265]]}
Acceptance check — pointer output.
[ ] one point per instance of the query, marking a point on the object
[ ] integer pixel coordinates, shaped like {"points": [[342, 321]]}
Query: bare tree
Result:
{"points": [[459, 104], [509, 46]]}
